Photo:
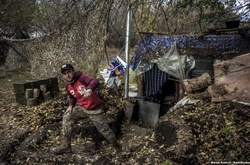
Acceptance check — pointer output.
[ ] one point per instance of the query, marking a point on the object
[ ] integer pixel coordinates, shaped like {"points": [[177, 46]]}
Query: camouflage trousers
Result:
{"points": [[98, 118]]}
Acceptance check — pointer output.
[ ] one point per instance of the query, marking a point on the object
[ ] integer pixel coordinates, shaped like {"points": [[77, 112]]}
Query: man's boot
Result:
{"points": [[65, 147]]}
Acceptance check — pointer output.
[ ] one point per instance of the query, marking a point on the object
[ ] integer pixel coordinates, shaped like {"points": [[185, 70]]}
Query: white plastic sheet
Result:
{"points": [[172, 63]]}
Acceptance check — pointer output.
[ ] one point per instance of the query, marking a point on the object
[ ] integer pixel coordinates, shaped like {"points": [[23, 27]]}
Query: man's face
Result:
{"points": [[68, 75]]}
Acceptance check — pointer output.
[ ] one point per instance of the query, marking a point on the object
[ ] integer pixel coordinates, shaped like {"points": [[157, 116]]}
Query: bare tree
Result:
{"points": [[81, 31]]}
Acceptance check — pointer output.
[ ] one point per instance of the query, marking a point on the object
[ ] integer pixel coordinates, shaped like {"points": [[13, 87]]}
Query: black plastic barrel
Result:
{"points": [[203, 65], [232, 24]]}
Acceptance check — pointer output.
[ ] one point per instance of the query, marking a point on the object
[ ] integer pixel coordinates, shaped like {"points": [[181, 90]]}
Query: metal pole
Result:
{"points": [[127, 48]]}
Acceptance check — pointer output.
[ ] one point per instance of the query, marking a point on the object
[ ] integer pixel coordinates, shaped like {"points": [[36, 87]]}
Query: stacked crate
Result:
{"points": [[50, 84]]}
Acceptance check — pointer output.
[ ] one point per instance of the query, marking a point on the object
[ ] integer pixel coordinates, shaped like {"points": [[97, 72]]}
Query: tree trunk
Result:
{"points": [[195, 84]]}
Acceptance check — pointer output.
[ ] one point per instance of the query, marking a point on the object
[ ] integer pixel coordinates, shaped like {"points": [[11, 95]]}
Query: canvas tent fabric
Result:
{"points": [[153, 81], [190, 44]]}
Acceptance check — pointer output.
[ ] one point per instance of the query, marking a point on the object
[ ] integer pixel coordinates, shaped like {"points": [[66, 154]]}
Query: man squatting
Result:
{"points": [[81, 89]]}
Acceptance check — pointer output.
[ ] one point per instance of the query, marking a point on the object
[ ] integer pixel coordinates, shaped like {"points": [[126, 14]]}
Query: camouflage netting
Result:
{"points": [[80, 43], [209, 45]]}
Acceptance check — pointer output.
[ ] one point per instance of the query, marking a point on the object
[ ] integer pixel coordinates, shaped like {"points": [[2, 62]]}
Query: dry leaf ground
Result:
{"points": [[194, 134]]}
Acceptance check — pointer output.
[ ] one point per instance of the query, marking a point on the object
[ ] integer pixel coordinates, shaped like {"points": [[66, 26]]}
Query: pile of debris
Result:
{"points": [[231, 78]]}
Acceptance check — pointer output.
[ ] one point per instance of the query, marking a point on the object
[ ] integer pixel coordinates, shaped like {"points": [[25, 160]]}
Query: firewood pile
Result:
{"points": [[33, 92], [230, 82], [197, 88]]}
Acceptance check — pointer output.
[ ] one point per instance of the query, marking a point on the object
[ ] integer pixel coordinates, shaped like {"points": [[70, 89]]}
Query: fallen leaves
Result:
{"points": [[194, 134]]}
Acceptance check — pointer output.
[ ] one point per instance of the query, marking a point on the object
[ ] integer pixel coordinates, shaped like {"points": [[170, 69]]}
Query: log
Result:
{"points": [[140, 85], [198, 83], [28, 93], [31, 102], [36, 93], [47, 96], [43, 88], [198, 96], [9, 143], [26, 147], [34, 138]]}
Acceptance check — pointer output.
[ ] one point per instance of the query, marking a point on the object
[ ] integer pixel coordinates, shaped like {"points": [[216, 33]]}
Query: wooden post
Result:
{"points": [[140, 85]]}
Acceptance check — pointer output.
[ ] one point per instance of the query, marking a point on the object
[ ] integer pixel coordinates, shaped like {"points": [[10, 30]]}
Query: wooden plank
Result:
{"points": [[34, 83], [20, 87], [49, 81], [20, 98], [227, 30]]}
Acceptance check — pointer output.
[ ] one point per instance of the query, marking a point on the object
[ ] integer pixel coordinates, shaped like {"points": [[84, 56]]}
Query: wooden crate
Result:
{"points": [[20, 88]]}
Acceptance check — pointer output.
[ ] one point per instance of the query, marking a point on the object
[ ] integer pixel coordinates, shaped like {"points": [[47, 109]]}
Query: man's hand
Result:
{"points": [[87, 93], [81, 90], [69, 110]]}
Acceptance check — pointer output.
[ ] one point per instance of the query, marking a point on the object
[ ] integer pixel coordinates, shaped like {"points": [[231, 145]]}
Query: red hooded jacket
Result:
{"points": [[83, 81]]}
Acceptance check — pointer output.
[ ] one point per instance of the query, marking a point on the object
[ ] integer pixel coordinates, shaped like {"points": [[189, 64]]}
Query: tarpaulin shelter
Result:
{"points": [[158, 85], [151, 48]]}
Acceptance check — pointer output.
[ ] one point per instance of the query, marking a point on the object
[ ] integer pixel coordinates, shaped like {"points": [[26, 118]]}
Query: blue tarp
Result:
{"points": [[191, 45]]}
